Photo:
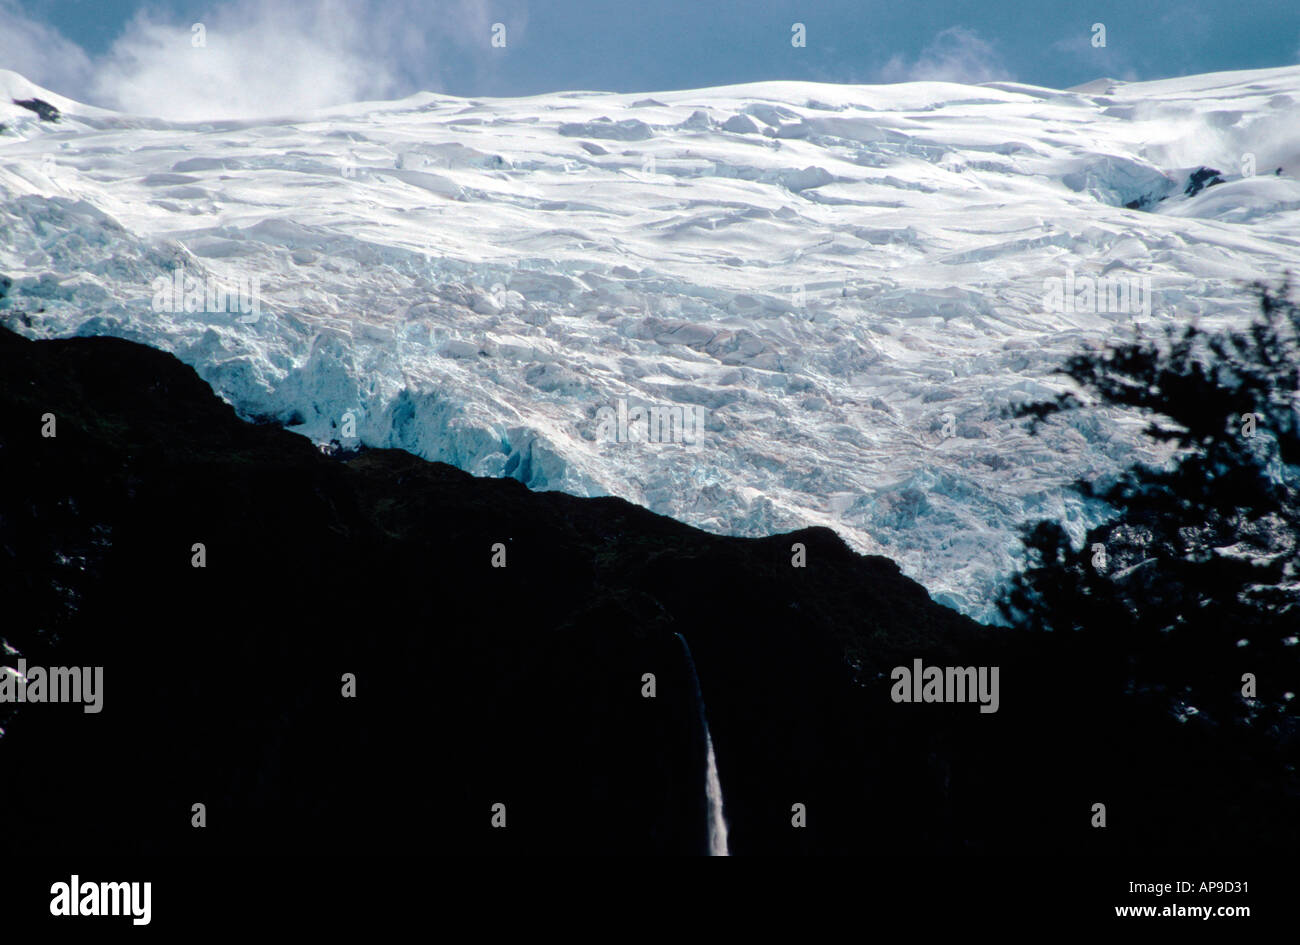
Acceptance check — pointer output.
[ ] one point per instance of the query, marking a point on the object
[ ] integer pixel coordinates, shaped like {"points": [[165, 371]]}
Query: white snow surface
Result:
{"points": [[839, 275]]}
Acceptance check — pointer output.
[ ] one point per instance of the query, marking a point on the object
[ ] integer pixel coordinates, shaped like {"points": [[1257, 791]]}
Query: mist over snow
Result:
{"points": [[257, 58], [850, 282], [956, 54]]}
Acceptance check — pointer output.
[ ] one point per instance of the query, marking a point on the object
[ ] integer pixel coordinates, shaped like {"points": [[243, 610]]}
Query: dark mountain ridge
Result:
{"points": [[521, 685]]}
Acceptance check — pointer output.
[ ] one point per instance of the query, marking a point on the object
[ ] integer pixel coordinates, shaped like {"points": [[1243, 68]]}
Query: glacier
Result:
{"points": [[847, 282]]}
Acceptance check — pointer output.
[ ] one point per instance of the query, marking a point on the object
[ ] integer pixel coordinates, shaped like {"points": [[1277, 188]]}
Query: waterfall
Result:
{"points": [[712, 784], [713, 787]]}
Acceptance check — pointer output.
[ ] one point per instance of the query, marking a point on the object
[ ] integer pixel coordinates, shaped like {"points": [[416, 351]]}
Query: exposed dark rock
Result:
{"points": [[1200, 179], [44, 109], [1197, 181]]}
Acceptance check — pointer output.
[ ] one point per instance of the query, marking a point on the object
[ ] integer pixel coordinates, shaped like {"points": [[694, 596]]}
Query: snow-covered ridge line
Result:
{"points": [[846, 283]]}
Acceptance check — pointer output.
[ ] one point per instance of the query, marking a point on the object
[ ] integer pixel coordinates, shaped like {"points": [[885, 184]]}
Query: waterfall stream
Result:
{"points": [[712, 784]]}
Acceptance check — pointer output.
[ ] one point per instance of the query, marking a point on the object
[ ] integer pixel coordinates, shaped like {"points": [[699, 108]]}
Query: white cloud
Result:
{"points": [[260, 57], [258, 60], [955, 55], [1104, 61], [40, 53]]}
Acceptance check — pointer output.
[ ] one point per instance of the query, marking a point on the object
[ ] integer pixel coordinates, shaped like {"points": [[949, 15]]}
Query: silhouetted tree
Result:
{"points": [[1195, 580]]}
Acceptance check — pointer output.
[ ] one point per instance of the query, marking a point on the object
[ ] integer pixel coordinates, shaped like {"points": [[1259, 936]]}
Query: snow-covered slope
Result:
{"points": [[849, 282]]}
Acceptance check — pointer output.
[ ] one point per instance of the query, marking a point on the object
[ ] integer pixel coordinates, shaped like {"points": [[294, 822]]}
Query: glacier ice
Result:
{"points": [[847, 280]]}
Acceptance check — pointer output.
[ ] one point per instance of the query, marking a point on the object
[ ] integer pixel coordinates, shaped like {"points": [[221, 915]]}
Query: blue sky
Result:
{"points": [[263, 55]]}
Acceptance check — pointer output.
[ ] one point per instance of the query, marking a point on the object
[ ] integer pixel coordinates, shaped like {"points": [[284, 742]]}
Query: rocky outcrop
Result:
{"points": [[42, 108]]}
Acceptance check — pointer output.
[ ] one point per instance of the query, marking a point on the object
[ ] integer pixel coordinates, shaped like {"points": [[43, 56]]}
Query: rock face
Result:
{"points": [[42, 108], [519, 685], [1202, 178]]}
